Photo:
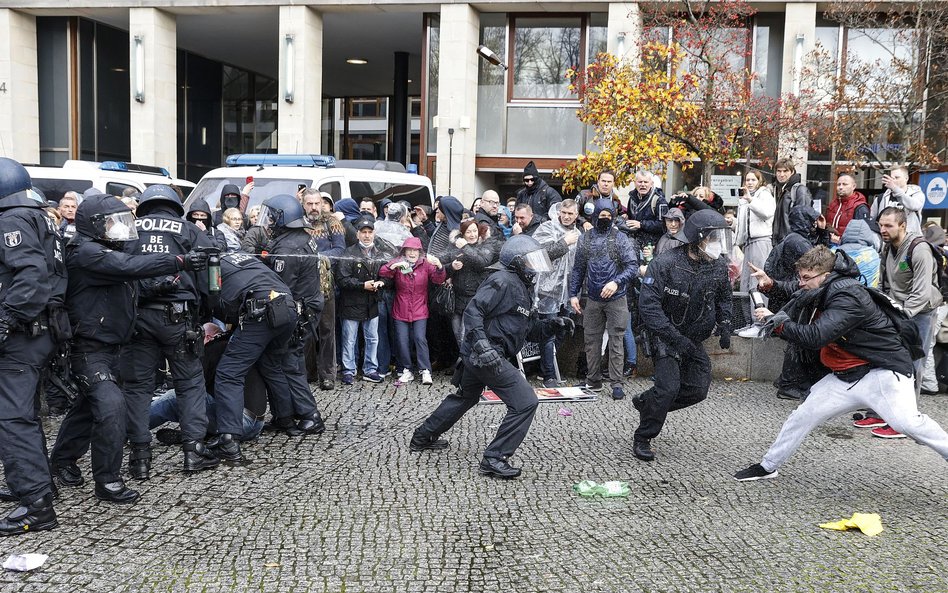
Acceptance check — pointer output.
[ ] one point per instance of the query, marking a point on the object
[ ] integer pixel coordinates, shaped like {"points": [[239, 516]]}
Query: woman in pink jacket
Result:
{"points": [[412, 274]]}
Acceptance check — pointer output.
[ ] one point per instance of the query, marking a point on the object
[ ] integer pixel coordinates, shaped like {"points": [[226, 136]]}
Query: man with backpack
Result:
{"points": [[869, 362], [646, 210], [605, 262], [910, 273]]}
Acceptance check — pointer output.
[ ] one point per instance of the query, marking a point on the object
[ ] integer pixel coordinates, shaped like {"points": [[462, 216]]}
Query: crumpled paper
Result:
{"points": [[868, 523], [24, 562], [612, 489]]}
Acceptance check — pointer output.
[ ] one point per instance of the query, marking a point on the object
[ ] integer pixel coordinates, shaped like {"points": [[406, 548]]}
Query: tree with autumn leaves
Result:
{"points": [[886, 99], [689, 99]]}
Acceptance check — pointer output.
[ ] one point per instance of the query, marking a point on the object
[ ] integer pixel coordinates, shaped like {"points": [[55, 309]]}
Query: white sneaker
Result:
{"points": [[406, 377], [426, 377]]}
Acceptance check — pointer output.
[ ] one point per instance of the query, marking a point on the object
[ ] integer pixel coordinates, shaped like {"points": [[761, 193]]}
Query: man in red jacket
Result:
{"points": [[847, 205]]}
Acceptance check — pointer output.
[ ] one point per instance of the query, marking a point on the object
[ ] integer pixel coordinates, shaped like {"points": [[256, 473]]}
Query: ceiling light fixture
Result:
{"points": [[357, 61]]}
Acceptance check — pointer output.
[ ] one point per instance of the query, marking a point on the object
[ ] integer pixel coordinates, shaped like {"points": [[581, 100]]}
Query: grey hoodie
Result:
{"points": [[914, 287]]}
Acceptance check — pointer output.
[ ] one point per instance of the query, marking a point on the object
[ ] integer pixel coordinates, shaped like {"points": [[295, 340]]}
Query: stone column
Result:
{"points": [[624, 30], [799, 39], [153, 44], [19, 87], [301, 80], [457, 101]]}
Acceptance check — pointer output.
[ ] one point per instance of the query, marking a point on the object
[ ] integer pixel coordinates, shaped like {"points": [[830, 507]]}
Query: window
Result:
{"points": [[115, 188], [367, 108], [417, 195], [333, 188], [543, 50]]}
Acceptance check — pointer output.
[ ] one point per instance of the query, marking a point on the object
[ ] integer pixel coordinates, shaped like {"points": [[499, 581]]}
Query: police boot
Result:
{"points": [[197, 457], [139, 462], [498, 467], [226, 447], [311, 425], [422, 441], [36, 516], [116, 492]]}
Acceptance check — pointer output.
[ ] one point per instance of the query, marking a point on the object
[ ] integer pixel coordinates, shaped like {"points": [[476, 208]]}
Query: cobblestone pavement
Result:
{"points": [[353, 510]]}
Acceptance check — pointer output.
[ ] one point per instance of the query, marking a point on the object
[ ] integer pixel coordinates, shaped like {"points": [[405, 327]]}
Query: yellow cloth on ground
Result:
{"points": [[868, 523]]}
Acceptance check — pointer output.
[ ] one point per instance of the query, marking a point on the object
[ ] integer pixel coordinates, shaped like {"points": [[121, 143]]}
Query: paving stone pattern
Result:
{"points": [[353, 510]]}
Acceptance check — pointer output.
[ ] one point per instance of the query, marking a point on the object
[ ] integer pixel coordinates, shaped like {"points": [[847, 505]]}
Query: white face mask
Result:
{"points": [[119, 231], [366, 245], [713, 249]]}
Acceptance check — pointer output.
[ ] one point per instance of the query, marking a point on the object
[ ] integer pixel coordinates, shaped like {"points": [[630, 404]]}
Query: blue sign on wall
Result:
{"points": [[935, 188]]}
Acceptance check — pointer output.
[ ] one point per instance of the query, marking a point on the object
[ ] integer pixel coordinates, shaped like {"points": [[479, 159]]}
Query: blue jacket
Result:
{"points": [[597, 267]]}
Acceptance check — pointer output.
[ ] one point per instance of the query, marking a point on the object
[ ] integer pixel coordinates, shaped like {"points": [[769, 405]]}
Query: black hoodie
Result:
{"points": [[788, 195], [200, 205], [540, 196]]}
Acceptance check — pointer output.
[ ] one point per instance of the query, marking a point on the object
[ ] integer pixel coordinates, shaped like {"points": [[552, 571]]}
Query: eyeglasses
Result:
{"points": [[529, 179], [808, 278], [483, 201]]}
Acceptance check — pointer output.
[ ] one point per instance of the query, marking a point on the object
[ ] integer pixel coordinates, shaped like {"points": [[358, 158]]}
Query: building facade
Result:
{"points": [[182, 84]]}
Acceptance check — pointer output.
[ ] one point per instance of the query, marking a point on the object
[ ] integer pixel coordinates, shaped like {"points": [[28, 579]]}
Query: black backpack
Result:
{"points": [[904, 325]]}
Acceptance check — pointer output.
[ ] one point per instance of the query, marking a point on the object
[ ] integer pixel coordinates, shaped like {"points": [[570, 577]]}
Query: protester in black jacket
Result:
{"points": [[834, 314], [360, 291], [536, 192]]}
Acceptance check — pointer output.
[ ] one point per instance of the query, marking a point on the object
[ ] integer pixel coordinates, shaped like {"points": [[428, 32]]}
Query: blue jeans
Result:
{"points": [[350, 336], [165, 409], [417, 331], [629, 340], [386, 331]]}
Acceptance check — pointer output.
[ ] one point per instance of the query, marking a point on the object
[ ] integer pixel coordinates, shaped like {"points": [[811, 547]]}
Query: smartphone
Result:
{"points": [[250, 179], [301, 187], [757, 299]]}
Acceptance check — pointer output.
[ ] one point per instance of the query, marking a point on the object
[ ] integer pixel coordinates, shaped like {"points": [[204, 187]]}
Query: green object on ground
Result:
{"points": [[612, 489]]}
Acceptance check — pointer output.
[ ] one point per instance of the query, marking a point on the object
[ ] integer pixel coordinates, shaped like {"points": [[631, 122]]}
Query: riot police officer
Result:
{"points": [[293, 256], [101, 300], [497, 322], [168, 326], [32, 287], [685, 297], [255, 299]]}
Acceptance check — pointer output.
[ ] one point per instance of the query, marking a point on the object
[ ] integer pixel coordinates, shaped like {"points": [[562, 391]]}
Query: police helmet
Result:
{"points": [[282, 211], [159, 195], [105, 218], [16, 187], [524, 255], [700, 224]]}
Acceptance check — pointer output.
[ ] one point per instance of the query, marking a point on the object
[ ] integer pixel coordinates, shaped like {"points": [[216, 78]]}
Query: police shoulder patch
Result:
{"points": [[12, 239], [278, 265]]}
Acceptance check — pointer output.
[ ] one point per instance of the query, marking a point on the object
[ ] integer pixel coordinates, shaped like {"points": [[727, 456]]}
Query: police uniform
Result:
{"points": [[32, 287], [253, 297], [293, 256], [683, 299], [168, 326], [498, 317], [101, 300]]}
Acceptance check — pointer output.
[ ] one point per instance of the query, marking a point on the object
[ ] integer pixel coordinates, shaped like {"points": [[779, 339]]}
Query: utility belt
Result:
{"points": [[37, 327], [175, 311], [276, 308]]}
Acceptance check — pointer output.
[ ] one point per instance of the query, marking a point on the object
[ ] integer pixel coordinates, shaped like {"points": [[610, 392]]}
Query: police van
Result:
{"points": [[110, 177], [274, 174]]}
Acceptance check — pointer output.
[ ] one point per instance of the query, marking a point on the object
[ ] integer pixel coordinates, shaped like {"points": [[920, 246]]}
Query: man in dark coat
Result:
{"points": [[833, 314], [789, 192], [536, 192]]}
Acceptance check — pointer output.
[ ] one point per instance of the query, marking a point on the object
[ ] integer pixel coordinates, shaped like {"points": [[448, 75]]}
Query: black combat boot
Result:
{"points": [[197, 457], [116, 492], [226, 447], [643, 450], [498, 467], [422, 441], [312, 425], [139, 462], [36, 516], [68, 475]]}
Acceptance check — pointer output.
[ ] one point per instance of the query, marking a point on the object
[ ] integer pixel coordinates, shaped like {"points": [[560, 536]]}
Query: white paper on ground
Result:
{"points": [[24, 562]]}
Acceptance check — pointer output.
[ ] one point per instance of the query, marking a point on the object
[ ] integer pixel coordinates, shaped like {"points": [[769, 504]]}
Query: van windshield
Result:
{"points": [[416, 195], [209, 189]]}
